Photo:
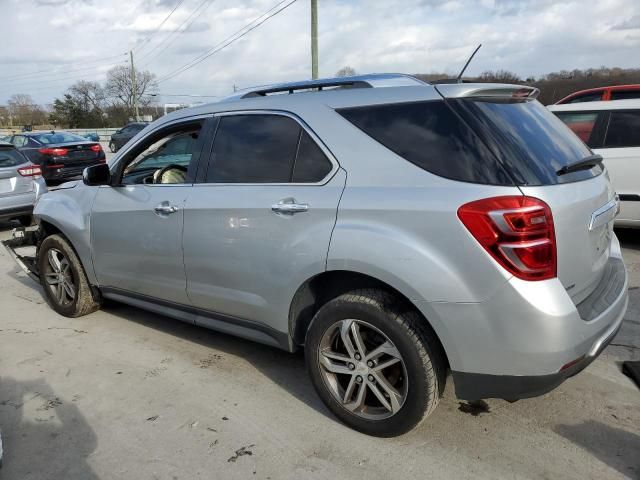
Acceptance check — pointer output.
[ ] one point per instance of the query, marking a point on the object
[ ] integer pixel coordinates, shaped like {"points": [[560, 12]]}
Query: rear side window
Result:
{"points": [[529, 140], [265, 148], [581, 123], [11, 158], [431, 136], [311, 163], [623, 130], [625, 95]]}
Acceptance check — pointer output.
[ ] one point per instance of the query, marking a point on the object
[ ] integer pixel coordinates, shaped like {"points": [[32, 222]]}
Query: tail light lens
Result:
{"points": [[96, 148], [30, 171], [56, 152], [518, 233]]}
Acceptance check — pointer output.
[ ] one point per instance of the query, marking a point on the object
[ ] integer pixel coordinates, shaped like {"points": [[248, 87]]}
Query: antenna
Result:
{"points": [[459, 77]]}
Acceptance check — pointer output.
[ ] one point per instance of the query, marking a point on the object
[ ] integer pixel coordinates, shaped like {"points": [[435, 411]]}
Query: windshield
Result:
{"points": [[528, 139], [58, 137]]}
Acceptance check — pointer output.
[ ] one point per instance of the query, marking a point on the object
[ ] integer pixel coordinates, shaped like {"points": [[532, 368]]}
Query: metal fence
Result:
{"points": [[104, 133]]}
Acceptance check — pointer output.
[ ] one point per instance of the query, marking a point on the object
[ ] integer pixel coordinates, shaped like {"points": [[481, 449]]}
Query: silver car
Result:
{"points": [[396, 230], [21, 185]]}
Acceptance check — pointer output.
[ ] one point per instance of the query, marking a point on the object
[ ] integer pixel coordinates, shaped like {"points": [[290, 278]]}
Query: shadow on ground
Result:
{"points": [[44, 436], [610, 445]]}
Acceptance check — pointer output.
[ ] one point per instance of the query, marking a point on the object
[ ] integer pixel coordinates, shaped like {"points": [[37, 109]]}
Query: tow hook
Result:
{"points": [[24, 238]]}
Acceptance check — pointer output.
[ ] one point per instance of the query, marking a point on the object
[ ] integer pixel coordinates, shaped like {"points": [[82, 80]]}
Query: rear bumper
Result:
{"points": [[529, 337]]}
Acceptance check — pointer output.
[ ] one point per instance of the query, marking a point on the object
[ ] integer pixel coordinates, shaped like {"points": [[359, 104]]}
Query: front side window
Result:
{"points": [[265, 148], [582, 123], [587, 97], [164, 159], [623, 130]]}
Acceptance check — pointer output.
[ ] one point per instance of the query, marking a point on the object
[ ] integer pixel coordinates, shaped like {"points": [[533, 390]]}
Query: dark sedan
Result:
{"points": [[125, 134], [61, 155]]}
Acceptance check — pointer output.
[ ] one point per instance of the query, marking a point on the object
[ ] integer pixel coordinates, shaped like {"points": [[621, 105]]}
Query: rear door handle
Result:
{"points": [[289, 207], [165, 209]]}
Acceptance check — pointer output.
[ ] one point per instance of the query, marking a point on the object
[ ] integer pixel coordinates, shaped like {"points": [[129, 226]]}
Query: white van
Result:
{"points": [[612, 129]]}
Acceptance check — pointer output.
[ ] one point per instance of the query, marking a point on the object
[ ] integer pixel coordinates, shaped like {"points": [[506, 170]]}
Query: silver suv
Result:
{"points": [[397, 230]]}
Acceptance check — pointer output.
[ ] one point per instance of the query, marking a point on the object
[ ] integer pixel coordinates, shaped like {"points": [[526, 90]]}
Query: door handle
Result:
{"points": [[165, 209], [289, 207]]}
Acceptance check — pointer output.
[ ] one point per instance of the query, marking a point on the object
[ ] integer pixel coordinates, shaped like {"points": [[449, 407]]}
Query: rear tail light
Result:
{"points": [[518, 233], [30, 171], [96, 148], [56, 152]]}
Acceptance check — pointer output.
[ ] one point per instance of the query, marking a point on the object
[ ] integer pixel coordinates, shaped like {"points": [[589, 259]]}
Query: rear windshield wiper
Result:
{"points": [[585, 164]]}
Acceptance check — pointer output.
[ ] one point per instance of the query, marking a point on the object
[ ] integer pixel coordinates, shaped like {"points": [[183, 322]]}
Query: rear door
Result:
{"points": [[259, 222], [535, 146], [621, 151]]}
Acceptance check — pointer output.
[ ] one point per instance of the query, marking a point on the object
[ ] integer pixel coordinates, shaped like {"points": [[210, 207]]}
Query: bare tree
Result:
{"points": [[24, 111], [119, 86], [90, 95], [346, 72]]}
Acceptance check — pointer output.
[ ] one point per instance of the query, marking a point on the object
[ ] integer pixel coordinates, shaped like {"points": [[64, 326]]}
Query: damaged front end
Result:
{"points": [[23, 248]]}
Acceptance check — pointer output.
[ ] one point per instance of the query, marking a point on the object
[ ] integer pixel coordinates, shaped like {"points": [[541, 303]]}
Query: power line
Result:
{"points": [[148, 39], [227, 41], [47, 79], [57, 70], [188, 21]]}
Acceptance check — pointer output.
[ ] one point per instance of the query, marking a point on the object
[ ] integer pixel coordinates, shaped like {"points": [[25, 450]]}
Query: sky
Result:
{"points": [[49, 44]]}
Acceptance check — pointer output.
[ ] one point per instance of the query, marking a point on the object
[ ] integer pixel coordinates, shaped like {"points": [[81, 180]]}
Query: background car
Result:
{"points": [[61, 155], [122, 136], [21, 184], [615, 92], [612, 129]]}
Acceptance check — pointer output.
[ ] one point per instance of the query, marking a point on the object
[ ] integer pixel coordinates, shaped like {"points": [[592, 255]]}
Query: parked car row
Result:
{"points": [[60, 155], [394, 229]]}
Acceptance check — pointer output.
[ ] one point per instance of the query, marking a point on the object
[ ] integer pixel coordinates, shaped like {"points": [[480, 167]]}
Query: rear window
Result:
{"points": [[623, 130], [58, 137], [10, 157], [528, 139], [431, 136]]}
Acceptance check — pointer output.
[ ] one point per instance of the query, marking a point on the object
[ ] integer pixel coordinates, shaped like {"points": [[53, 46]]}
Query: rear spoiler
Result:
{"points": [[487, 90]]}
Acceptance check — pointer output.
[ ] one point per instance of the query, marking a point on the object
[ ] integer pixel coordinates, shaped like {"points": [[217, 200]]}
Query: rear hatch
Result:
{"points": [[534, 146], [11, 181]]}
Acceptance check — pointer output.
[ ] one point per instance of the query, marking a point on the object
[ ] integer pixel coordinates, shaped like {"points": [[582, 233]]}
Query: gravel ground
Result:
{"points": [[126, 394]]}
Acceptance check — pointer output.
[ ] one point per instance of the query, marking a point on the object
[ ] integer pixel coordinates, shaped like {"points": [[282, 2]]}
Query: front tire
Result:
{"points": [[374, 362], [64, 280]]}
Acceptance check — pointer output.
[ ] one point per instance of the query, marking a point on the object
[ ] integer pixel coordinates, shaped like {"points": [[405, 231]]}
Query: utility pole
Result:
{"points": [[314, 39], [134, 87]]}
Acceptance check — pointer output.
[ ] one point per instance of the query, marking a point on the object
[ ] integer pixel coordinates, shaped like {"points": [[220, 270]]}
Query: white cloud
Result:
{"points": [[413, 36]]}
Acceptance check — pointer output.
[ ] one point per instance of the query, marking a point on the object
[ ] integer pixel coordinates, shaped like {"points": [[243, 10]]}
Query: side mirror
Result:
{"points": [[97, 175]]}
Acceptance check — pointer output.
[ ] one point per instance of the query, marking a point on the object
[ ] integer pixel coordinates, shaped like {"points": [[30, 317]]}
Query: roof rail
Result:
{"points": [[360, 81]]}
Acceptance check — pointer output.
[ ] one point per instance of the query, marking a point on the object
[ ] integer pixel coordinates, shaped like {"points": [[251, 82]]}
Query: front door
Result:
{"points": [[136, 225], [260, 223]]}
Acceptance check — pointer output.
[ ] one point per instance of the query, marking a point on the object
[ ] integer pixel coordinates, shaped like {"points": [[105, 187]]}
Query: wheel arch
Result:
{"points": [[323, 287]]}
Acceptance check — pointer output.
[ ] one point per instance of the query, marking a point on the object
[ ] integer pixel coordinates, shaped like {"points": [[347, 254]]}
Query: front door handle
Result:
{"points": [[289, 207], [165, 209]]}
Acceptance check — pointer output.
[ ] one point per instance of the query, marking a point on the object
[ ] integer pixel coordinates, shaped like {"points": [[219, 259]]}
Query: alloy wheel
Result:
{"points": [[59, 277], [363, 369]]}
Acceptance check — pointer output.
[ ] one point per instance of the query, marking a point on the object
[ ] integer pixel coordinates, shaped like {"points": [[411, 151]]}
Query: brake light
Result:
{"points": [[56, 152], [518, 233], [31, 171], [96, 148]]}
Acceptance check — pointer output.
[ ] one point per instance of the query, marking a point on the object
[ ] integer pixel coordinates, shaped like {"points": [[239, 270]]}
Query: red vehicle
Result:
{"points": [[615, 92]]}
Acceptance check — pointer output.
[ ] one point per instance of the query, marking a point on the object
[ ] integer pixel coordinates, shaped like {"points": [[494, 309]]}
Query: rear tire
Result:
{"points": [[112, 147], [64, 280], [396, 397]]}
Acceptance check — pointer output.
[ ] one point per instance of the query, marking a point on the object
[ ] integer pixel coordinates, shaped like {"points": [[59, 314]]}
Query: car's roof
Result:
{"points": [[629, 104], [356, 91], [613, 88]]}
